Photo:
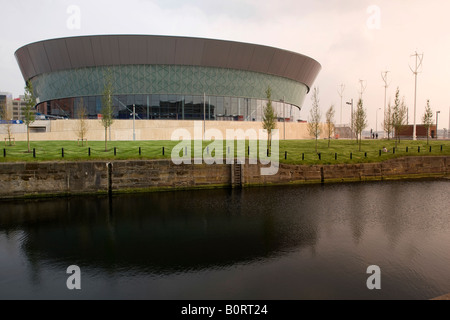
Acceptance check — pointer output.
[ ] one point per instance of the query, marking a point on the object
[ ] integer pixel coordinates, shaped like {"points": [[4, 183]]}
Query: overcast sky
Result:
{"points": [[352, 39]]}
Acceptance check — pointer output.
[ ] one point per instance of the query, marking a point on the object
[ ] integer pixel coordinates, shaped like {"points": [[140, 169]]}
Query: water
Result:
{"points": [[300, 242]]}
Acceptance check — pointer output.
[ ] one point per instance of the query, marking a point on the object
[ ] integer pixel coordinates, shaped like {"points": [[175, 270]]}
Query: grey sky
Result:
{"points": [[341, 34]]}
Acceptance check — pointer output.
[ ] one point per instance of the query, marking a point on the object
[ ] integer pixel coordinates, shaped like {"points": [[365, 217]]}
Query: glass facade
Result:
{"points": [[169, 92], [171, 106]]}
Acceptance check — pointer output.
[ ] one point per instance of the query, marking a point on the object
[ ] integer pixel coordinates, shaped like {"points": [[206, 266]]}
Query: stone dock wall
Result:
{"points": [[32, 179]]}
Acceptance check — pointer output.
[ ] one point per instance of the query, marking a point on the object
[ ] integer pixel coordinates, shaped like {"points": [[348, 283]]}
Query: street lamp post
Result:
{"points": [[284, 120], [134, 118], [437, 113], [376, 121], [351, 124]]}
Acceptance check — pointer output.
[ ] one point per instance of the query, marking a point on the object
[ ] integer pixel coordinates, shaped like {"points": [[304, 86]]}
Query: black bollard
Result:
{"points": [[320, 156], [351, 155], [140, 151], [115, 151], [406, 149], [379, 153], [418, 149], [335, 156], [4, 153], [267, 152], [62, 152], [365, 154], [34, 153], [285, 155], [163, 150], [441, 147], [393, 150], [430, 148], [303, 156], [248, 150], [89, 151]]}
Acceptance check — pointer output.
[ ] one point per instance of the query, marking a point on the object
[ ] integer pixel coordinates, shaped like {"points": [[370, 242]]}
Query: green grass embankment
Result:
{"points": [[298, 151]]}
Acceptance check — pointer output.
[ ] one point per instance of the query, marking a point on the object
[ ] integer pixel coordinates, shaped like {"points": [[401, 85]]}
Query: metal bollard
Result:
{"points": [[62, 152], [140, 151]]}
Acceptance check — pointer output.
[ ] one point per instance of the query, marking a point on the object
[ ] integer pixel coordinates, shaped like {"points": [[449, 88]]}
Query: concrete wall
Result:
{"points": [[145, 129], [50, 178]]}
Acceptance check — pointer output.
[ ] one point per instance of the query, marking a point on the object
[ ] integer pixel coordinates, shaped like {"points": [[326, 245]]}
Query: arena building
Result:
{"points": [[166, 77]]}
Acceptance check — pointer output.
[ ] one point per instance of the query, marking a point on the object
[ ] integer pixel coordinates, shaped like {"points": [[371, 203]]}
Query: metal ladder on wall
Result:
{"points": [[236, 175]]}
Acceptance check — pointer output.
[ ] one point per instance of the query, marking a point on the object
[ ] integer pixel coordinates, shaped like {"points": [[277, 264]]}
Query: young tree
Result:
{"points": [[427, 118], [82, 121], [314, 116], [387, 123], [5, 114], [398, 115], [360, 119], [330, 123], [269, 117], [28, 111], [107, 106]]}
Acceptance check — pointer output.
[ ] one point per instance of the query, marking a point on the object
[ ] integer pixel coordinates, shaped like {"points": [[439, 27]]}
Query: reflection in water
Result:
{"points": [[277, 243]]}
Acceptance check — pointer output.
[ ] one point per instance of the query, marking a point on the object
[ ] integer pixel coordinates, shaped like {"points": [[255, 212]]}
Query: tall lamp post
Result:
{"points": [[415, 71], [437, 113], [284, 120], [351, 103], [134, 118], [376, 121]]}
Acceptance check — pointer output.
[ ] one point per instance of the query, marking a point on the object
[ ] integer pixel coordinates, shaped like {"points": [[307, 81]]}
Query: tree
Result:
{"points": [[314, 116], [82, 121], [107, 106], [387, 123], [6, 115], [28, 111], [427, 118], [360, 121], [269, 117], [398, 115], [330, 123]]}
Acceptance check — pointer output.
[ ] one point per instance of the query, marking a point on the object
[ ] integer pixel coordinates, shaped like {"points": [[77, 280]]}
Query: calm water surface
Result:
{"points": [[302, 242]]}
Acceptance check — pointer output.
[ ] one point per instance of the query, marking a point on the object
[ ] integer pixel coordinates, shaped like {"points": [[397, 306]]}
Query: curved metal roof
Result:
{"points": [[105, 50]]}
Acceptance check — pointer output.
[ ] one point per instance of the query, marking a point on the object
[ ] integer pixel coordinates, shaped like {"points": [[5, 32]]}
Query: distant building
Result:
{"points": [[5, 104], [421, 131]]}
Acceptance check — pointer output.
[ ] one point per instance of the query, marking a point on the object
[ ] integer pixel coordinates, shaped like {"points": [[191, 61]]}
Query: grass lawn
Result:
{"points": [[296, 150]]}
